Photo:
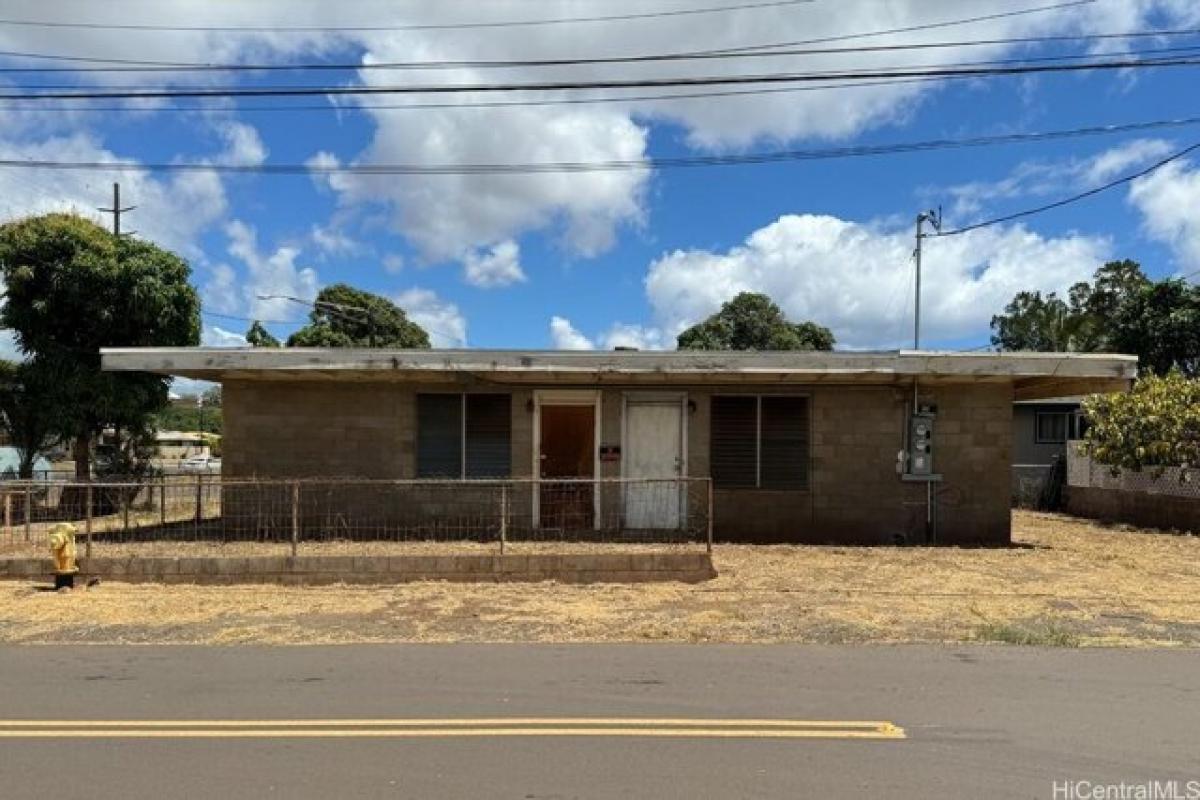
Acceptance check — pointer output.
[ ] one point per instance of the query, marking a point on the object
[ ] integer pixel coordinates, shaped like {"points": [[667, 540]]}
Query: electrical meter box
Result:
{"points": [[919, 458]]}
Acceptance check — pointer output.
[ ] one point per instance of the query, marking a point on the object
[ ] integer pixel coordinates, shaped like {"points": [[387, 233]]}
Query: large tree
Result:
{"points": [[29, 410], [753, 322], [74, 288], [1161, 324], [1080, 323], [343, 316]]}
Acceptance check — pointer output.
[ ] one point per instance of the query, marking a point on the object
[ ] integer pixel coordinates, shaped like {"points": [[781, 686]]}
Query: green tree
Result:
{"points": [[343, 316], [74, 288], [28, 411], [1161, 324], [753, 322], [259, 336], [1156, 425], [1082, 323]]}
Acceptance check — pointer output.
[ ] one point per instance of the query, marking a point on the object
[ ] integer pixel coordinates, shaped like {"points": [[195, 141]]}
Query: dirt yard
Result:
{"points": [[1066, 582]]}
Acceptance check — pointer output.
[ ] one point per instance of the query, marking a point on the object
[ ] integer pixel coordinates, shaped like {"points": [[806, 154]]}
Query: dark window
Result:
{"points": [[783, 456], [442, 449], [489, 435], [1051, 427], [439, 436], [735, 441], [760, 442]]}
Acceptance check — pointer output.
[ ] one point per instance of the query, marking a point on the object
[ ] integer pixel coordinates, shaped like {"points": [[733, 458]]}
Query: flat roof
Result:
{"points": [[1033, 375]]}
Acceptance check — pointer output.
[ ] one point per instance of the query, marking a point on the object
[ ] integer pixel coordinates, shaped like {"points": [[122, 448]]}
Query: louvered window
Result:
{"points": [[760, 442], [464, 436]]}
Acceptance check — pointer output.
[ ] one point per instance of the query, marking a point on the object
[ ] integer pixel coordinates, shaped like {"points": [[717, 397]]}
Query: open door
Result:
{"points": [[567, 439]]}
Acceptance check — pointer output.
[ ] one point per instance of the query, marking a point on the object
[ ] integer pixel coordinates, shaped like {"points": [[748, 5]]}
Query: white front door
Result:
{"points": [[653, 449]]}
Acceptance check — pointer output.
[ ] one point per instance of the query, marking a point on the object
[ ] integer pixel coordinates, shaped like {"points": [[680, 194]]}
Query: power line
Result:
{"points": [[855, 151], [1074, 198], [528, 23], [776, 50], [235, 318], [24, 92]]}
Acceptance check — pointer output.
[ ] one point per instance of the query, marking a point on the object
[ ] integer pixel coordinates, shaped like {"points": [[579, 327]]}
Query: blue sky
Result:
{"points": [[604, 259]]}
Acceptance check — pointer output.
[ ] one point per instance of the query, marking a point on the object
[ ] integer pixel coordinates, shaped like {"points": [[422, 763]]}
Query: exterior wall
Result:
{"points": [[334, 428], [1026, 449], [1142, 509]]}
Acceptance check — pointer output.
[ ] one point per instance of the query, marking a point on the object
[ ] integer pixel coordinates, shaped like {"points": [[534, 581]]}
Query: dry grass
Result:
{"points": [[1068, 582]]}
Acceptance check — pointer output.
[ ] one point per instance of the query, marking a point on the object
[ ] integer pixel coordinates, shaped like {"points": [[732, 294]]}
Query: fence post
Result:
{"points": [[87, 521], [503, 516], [162, 501], [125, 512], [8, 515], [295, 517], [708, 536], [28, 510], [199, 497]]}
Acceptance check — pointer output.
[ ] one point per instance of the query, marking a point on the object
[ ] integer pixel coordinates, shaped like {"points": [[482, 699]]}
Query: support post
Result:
{"points": [[199, 497], [162, 501], [503, 517], [709, 534], [28, 510], [295, 517], [8, 515], [125, 513], [87, 522]]}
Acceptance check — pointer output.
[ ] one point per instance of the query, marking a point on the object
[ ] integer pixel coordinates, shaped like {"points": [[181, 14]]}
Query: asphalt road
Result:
{"points": [[987, 721]]}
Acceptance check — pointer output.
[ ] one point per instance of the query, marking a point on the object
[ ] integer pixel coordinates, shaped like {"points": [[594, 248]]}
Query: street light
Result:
{"points": [[337, 309]]}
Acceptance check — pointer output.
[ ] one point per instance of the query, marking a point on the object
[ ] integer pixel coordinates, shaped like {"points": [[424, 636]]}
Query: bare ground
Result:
{"points": [[1067, 582]]}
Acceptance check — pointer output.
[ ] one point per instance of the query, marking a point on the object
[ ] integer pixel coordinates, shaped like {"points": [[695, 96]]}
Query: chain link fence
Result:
{"points": [[203, 514], [1084, 472]]}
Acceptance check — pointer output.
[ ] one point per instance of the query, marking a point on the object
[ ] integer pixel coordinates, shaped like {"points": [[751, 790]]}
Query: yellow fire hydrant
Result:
{"points": [[62, 549]]}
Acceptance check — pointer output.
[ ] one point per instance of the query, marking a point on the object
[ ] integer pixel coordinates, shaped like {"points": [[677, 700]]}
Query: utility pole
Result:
{"points": [[116, 210], [934, 218]]}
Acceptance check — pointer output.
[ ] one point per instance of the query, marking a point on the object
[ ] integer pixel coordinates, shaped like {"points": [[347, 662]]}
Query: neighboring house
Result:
{"points": [[10, 464], [1041, 430], [175, 446], [800, 447]]}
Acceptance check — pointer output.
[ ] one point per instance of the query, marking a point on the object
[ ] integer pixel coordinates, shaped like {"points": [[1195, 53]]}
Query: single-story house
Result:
{"points": [[1041, 430], [841, 447]]}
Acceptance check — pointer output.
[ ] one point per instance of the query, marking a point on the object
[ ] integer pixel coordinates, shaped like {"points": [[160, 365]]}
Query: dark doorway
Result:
{"points": [[568, 450]]}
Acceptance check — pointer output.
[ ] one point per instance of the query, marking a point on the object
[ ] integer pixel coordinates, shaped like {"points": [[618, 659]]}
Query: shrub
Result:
{"points": [[1156, 425]]}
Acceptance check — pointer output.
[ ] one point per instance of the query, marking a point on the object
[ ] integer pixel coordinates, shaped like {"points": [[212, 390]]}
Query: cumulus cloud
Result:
{"points": [[852, 277], [1168, 199], [565, 336], [213, 336], [441, 319], [275, 273], [497, 266]]}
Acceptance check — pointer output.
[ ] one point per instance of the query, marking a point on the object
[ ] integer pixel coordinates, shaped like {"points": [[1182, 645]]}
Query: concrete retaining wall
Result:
{"points": [[1143, 509], [579, 568]]}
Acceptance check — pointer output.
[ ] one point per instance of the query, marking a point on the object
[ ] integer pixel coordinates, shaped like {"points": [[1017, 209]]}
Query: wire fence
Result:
{"points": [[193, 514]]}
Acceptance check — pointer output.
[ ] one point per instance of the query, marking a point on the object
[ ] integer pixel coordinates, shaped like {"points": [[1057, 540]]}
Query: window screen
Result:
{"points": [[489, 435], [442, 451], [783, 454], [734, 434], [439, 436], [1051, 428]]}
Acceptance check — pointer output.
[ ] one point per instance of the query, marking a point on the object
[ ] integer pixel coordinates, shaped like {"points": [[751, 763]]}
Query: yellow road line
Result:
{"points": [[482, 727], [649, 721], [394, 733]]}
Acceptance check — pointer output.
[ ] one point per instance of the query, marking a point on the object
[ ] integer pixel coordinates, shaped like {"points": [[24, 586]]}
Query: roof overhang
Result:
{"points": [[1033, 375]]}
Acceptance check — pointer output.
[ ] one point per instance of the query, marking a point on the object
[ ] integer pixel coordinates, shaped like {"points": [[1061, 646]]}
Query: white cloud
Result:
{"points": [[273, 274], [1122, 158], [220, 292], [499, 266], [441, 319], [565, 337], [333, 241], [393, 263], [852, 277], [1168, 199], [212, 336], [243, 145]]}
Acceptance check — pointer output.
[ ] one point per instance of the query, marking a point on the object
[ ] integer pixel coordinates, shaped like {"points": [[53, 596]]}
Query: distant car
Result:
{"points": [[200, 465]]}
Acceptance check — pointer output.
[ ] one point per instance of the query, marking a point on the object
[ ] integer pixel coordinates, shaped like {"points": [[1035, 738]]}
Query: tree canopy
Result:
{"points": [[74, 288], [343, 316], [753, 321], [1156, 425], [29, 411], [1121, 310], [259, 336]]}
